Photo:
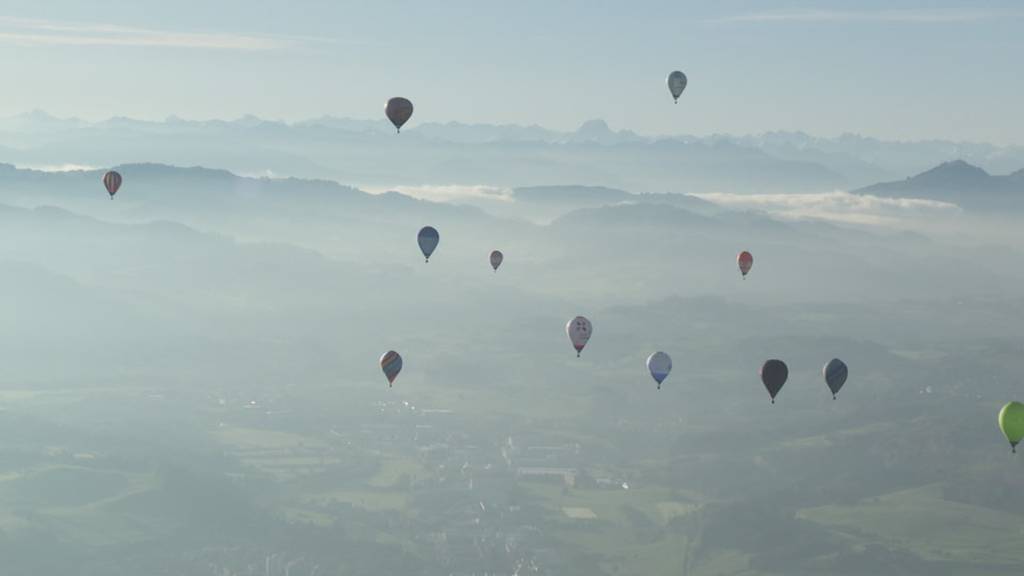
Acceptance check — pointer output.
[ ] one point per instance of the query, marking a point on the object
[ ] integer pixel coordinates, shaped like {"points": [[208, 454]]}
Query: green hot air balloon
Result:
{"points": [[1011, 422]]}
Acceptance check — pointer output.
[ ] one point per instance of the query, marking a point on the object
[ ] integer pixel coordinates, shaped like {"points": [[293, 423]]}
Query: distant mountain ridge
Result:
{"points": [[958, 182], [367, 152]]}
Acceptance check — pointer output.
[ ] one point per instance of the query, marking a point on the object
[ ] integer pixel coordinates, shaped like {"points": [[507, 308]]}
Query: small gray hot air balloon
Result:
{"points": [[835, 373], [676, 84]]}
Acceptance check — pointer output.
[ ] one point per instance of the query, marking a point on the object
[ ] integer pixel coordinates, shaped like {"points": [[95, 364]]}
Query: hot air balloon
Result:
{"points": [[773, 375], [745, 261], [1011, 422], [112, 181], [835, 373], [398, 110], [391, 365], [428, 239], [579, 330], [496, 258], [660, 364], [676, 84]]}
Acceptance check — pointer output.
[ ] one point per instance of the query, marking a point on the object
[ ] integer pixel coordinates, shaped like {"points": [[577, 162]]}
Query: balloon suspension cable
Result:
{"points": [[659, 385], [833, 396], [427, 260], [773, 400], [577, 353], [1013, 447]]}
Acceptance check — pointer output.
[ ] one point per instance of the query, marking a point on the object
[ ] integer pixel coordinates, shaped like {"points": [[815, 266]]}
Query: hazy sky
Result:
{"points": [[907, 70]]}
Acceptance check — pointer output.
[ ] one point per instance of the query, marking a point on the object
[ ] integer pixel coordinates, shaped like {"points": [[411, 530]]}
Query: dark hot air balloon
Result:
{"points": [[835, 373], [398, 110], [773, 375]]}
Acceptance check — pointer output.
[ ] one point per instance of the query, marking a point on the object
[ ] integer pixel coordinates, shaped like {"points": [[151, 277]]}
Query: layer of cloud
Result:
{"points": [[57, 167], [32, 32], [835, 206], [920, 16], [451, 193]]}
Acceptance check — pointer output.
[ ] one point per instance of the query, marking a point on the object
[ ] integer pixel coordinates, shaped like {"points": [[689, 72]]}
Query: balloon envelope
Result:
{"points": [[391, 365], [112, 182], [579, 331], [398, 110], [496, 259], [676, 84], [745, 260], [835, 373], [1011, 422], [428, 239], [660, 364], [773, 375]]}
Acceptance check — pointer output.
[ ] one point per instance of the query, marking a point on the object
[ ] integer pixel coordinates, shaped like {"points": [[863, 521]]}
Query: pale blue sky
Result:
{"points": [[900, 70]]}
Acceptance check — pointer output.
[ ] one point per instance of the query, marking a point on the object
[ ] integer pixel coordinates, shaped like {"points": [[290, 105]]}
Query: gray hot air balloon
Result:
{"points": [[835, 373], [428, 239], [579, 330], [773, 375], [496, 259], [676, 84], [398, 110]]}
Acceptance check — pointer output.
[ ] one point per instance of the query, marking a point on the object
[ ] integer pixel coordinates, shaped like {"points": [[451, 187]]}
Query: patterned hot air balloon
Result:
{"points": [[835, 373], [773, 375], [676, 84], [496, 258], [660, 364], [391, 365], [745, 261], [579, 331], [112, 181], [398, 110], [428, 239]]}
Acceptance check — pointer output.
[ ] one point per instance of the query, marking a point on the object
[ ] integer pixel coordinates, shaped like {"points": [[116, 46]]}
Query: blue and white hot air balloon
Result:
{"points": [[660, 364]]}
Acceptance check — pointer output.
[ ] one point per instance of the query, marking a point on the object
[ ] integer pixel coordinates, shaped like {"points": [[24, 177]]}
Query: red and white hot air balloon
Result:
{"points": [[112, 181]]}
